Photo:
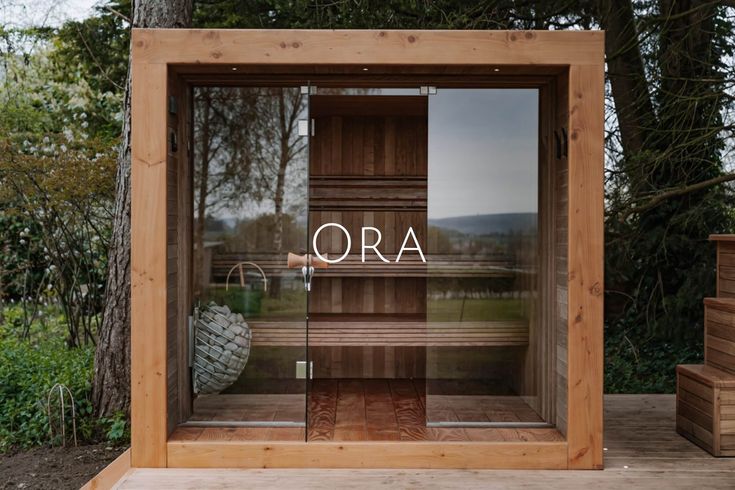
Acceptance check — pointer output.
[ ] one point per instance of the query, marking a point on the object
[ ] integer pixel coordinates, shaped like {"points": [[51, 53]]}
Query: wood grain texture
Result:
{"points": [[152, 49], [705, 408], [148, 264], [585, 267], [179, 256], [384, 47], [719, 334], [111, 474], [643, 452], [368, 164], [725, 265]]}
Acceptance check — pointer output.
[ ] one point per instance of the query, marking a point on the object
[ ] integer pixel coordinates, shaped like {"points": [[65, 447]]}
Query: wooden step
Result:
{"points": [[719, 333], [705, 407], [725, 265]]}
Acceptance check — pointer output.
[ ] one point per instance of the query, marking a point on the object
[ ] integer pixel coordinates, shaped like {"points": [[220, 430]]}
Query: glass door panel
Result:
{"points": [[250, 211], [483, 254], [367, 310]]}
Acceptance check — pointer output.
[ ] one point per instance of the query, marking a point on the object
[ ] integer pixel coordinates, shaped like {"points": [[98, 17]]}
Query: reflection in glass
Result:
{"points": [[250, 208], [483, 255]]}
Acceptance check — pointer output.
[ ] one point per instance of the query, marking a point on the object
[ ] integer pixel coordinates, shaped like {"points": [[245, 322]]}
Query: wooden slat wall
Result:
{"points": [[705, 407], [727, 422], [539, 376], [372, 151], [179, 255], [695, 405], [725, 269], [561, 219], [172, 261], [719, 338]]}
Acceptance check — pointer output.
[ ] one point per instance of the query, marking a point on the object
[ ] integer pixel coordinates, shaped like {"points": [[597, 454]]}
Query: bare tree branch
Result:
{"points": [[680, 191]]}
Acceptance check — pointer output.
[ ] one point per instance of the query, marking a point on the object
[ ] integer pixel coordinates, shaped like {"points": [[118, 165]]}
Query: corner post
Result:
{"points": [[148, 261], [585, 266]]}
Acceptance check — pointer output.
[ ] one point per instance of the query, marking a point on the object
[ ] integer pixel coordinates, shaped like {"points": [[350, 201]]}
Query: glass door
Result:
{"points": [[483, 353], [250, 212], [367, 184]]}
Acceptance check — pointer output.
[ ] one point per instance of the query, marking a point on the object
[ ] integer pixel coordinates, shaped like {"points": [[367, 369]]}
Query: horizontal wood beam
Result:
{"points": [[367, 47], [473, 455]]}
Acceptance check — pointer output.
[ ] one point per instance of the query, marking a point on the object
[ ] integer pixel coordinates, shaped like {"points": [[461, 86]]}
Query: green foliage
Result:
{"points": [[28, 370], [644, 365], [117, 429], [96, 50], [57, 168]]}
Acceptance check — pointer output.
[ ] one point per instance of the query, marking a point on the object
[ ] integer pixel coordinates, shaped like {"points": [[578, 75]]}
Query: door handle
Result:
{"points": [[307, 263], [307, 272], [293, 261]]}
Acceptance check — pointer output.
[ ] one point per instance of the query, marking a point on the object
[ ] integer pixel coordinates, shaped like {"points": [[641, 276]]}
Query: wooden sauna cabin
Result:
{"points": [[398, 234]]}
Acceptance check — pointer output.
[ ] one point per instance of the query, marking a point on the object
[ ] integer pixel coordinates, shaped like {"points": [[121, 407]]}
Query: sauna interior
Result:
{"points": [[461, 339]]}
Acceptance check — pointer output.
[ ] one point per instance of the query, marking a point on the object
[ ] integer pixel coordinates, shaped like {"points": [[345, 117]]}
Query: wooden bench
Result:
{"points": [[352, 266], [389, 332]]}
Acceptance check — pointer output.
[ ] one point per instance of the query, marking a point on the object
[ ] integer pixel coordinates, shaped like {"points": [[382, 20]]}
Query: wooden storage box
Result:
{"points": [[705, 408], [719, 334]]}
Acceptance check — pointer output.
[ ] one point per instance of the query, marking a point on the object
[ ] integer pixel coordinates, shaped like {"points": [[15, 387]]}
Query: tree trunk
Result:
{"points": [[633, 105], [111, 390]]}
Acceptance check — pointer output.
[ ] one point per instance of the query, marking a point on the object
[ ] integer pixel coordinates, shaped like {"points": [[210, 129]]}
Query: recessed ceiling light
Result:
{"points": [[234, 68], [364, 69], [496, 69]]}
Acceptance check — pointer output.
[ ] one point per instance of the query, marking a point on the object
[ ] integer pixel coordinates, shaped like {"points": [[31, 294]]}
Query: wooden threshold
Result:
{"points": [[474, 455]]}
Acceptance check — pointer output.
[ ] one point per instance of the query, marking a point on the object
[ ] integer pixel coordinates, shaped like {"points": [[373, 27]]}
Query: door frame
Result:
{"points": [[165, 62]]}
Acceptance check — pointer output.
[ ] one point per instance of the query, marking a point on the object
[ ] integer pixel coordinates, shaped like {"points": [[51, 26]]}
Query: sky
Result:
{"points": [[483, 152], [19, 13]]}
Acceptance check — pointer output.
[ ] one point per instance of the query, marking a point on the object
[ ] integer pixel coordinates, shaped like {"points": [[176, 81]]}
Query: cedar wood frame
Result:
{"points": [[575, 57]]}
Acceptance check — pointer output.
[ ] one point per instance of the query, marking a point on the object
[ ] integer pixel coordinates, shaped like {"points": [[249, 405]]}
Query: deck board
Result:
{"points": [[643, 451]]}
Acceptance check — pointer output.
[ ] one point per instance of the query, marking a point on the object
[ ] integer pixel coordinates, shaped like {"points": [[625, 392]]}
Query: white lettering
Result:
{"points": [[411, 234], [374, 246], [347, 250]]}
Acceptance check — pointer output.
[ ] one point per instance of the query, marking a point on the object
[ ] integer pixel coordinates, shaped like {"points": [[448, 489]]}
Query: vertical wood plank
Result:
{"points": [[585, 267], [148, 265]]}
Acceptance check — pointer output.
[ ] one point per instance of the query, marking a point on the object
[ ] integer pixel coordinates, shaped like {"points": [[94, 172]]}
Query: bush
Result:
{"points": [[27, 372], [637, 364]]}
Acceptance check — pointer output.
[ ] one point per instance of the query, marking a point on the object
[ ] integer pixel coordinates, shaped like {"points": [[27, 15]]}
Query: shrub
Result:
{"points": [[27, 372], [638, 364]]}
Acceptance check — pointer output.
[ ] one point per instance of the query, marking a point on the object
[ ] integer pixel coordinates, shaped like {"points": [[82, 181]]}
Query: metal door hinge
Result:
{"points": [[306, 127], [301, 369], [173, 142], [172, 105]]}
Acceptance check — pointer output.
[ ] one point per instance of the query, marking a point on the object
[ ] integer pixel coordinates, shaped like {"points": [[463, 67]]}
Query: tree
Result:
{"points": [[111, 390]]}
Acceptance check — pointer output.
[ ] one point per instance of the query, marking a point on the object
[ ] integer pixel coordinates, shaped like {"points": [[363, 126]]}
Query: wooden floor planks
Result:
{"points": [[643, 452], [366, 410]]}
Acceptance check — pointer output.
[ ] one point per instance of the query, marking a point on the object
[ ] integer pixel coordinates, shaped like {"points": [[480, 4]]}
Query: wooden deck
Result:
{"points": [[642, 451]]}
